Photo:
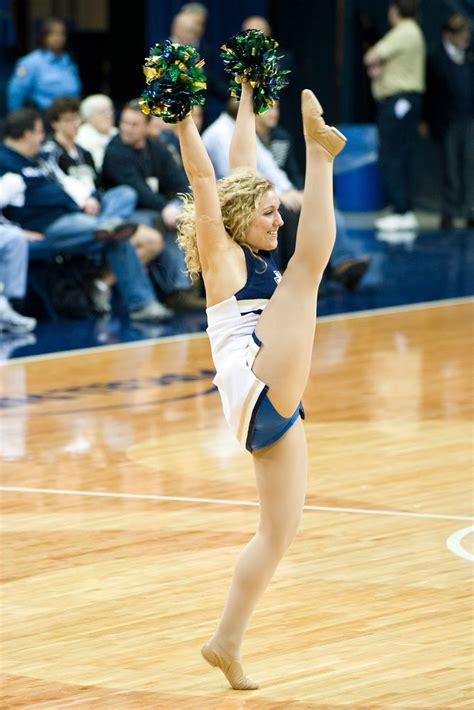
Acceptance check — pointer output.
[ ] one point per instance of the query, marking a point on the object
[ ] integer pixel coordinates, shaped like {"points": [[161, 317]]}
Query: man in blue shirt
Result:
{"points": [[50, 210], [46, 73]]}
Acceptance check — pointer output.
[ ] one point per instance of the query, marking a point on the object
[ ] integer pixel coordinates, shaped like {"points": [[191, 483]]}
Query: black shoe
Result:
{"points": [[185, 299], [470, 223], [446, 222], [350, 272], [116, 232]]}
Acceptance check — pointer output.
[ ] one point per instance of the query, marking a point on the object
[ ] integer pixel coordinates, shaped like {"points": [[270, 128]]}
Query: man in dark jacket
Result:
{"points": [[449, 111], [50, 210], [148, 166], [133, 159]]}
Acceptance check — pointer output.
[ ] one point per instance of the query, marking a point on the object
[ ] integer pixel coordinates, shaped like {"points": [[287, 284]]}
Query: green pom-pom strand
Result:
{"points": [[176, 81], [251, 56]]}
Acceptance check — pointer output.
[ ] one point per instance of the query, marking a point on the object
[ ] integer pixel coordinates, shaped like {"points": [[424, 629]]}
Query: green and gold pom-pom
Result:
{"points": [[251, 56], [175, 79]]}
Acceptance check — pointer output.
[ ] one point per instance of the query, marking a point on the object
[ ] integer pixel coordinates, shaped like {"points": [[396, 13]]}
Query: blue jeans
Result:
{"points": [[13, 261], [169, 268], [74, 233]]}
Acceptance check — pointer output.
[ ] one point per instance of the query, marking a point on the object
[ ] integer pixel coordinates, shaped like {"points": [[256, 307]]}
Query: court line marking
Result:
{"points": [[20, 410], [454, 543], [387, 310], [224, 501]]}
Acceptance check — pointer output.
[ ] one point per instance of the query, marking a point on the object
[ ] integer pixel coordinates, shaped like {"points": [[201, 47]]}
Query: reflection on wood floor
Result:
{"points": [[126, 502]]}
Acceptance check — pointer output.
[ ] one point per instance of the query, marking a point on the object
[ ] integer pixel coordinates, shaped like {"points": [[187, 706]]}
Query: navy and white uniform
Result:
{"points": [[234, 346]]}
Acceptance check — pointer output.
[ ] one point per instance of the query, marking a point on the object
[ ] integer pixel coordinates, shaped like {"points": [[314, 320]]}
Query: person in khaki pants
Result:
{"points": [[396, 67]]}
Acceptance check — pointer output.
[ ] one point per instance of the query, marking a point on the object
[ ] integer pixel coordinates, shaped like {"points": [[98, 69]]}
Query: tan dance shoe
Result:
{"points": [[230, 667], [315, 128]]}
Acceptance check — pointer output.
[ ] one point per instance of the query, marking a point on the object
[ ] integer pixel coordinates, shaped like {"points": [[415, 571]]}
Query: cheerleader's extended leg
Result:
{"points": [[286, 327]]}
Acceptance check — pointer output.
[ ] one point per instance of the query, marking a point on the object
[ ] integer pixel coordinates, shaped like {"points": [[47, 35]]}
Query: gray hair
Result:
{"points": [[94, 103]]}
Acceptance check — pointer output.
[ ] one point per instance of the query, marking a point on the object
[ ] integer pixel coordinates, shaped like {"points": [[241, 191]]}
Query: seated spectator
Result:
{"points": [[346, 265], [217, 139], [65, 119], [163, 132], [13, 257], [133, 159], [98, 127], [49, 209], [168, 132], [280, 144], [77, 164], [45, 73]]}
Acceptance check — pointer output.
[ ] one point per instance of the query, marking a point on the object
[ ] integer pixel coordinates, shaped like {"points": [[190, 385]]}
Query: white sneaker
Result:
{"points": [[13, 322], [394, 222], [398, 236], [152, 312], [100, 295]]}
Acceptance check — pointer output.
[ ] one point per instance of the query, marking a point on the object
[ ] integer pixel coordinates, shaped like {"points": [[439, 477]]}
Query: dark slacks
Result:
{"points": [[398, 118], [458, 169]]}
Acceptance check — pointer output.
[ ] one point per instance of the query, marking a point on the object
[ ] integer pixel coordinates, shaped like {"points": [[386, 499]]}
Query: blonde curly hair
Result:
{"points": [[239, 196]]}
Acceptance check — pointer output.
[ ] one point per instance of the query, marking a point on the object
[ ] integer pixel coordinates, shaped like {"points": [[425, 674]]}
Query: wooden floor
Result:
{"points": [[126, 502]]}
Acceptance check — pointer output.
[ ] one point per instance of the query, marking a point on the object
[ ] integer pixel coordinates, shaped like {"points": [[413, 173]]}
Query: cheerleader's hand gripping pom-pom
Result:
{"points": [[251, 56], [175, 79]]}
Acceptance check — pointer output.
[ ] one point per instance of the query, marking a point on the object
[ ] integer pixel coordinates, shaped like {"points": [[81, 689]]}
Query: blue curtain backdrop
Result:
{"points": [[8, 45]]}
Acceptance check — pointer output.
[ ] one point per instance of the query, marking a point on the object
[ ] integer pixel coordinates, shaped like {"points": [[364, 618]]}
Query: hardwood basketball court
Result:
{"points": [[126, 502]]}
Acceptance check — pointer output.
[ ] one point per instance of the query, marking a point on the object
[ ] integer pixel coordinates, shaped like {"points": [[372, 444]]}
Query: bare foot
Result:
{"points": [[315, 128], [231, 667]]}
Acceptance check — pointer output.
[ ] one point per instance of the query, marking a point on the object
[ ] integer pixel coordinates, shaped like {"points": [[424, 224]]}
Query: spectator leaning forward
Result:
{"points": [[50, 210]]}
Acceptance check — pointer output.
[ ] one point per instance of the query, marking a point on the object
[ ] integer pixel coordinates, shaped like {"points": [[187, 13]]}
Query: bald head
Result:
{"points": [[200, 14], [257, 22], [184, 29]]}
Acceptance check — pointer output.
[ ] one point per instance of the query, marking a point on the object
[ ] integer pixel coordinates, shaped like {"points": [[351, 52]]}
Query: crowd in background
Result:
{"points": [[104, 193]]}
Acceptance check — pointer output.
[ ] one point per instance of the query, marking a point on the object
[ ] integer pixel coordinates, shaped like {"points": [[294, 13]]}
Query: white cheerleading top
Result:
{"points": [[231, 325]]}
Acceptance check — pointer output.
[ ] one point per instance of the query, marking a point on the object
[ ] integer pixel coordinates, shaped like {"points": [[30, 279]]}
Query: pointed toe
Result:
{"points": [[309, 102], [314, 127]]}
